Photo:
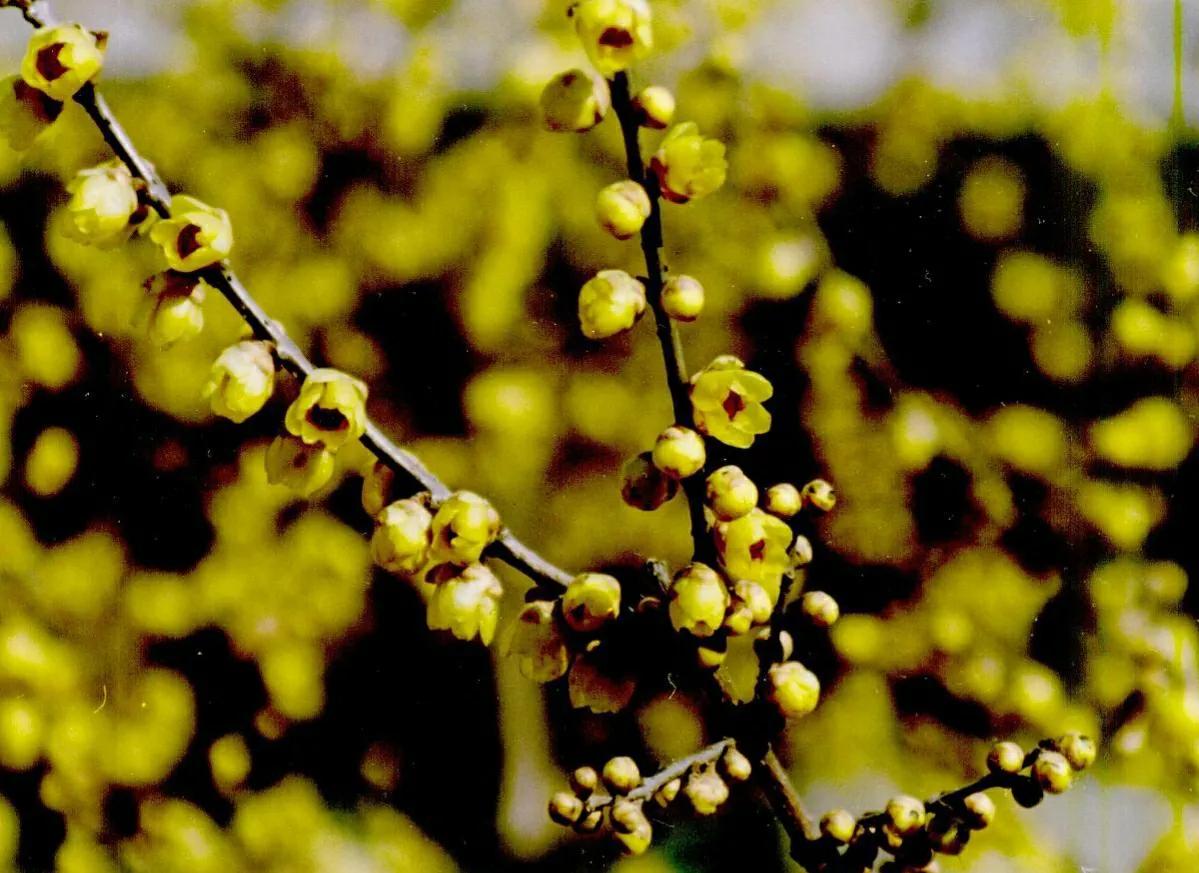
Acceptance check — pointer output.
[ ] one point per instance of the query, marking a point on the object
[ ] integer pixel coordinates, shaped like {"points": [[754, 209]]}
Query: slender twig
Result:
{"points": [[678, 768], [667, 330], [507, 547]]}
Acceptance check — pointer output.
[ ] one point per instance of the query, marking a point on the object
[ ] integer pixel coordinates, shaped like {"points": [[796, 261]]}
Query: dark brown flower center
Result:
{"points": [[189, 241], [616, 37], [733, 403], [757, 551], [48, 63], [326, 419]]}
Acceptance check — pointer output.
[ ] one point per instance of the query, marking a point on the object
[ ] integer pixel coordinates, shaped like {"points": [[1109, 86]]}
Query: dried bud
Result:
{"points": [[643, 486]]}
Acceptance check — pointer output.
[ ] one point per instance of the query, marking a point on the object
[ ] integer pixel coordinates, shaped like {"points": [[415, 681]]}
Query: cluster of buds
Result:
{"points": [[913, 832], [614, 799], [440, 546], [58, 62]]}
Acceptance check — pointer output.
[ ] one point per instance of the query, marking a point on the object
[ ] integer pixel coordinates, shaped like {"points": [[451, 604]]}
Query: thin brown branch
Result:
{"points": [[507, 547], [675, 770]]}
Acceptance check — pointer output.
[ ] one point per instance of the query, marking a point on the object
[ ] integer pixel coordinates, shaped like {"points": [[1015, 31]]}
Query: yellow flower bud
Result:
{"points": [[1005, 757], [1053, 772], [679, 452], [242, 380], [727, 402], [756, 598], [655, 107], [60, 60], [467, 605], [688, 165], [698, 600], [683, 298], [591, 601], [610, 303], [637, 840], [584, 781], [980, 810], [535, 639], [622, 208], [665, 795], [735, 765], [173, 310], [195, 236], [330, 409], [730, 493], [103, 205], [615, 33], [575, 101], [783, 500], [465, 524], [820, 494], [643, 485], [801, 552], [1079, 750], [403, 532], [905, 814], [621, 774], [25, 112], [303, 468], [786, 643], [821, 609], [739, 619], [838, 825], [565, 808], [378, 488], [712, 653], [754, 547], [590, 822], [706, 791], [794, 689]]}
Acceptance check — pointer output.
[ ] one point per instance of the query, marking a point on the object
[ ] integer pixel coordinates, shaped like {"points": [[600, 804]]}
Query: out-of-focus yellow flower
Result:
{"points": [[754, 547], [615, 33], [591, 601], [1029, 439], [794, 689], [468, 605], [330, 409], [103, 205], [195, 236], [1153, 434], [60, 60], [22, 729], [575, 101], [843, 302], [242, 380], [293, 673], [464, 525], [46, 351], [622, 208], [303, 468], [229, 760], [536, 641], [52, 461], [593, 684], [403, 531], [992, 200], [25, 112], [1180, 273], [655, 107], [609, 303], [173, 309], [1122, 512], [1031, 288], [727, 401], [688, 165], [698, 600]]}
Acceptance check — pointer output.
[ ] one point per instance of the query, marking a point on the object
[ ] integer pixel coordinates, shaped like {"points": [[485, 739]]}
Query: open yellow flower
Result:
{"points": [[727, 401], [615, 33], [689, 165], [575, 101], [60, 60], [467, 605], [465, 524], [402, 534], [754, 547], [102, 205], [195, 236], [331, 409]]}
